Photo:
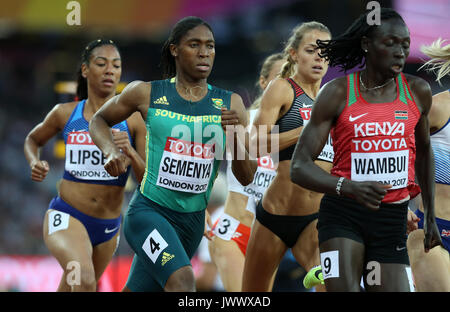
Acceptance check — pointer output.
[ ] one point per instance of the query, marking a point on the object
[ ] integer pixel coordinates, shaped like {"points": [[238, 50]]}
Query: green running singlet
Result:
{"points": [[184, 140]]}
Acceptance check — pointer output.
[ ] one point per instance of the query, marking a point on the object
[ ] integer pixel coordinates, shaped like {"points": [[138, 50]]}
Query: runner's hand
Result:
{"points": [[39, 170], [116, 163], [413, 221], [229, 118], [432, 236], [368, 193], [122, 141]]}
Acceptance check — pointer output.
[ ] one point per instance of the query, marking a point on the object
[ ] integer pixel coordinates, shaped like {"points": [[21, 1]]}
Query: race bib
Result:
{"points": [[380, 158], [84, 160], [263, 177], [327, 153], [57, 221], [226, 226], [330, 264], [186, 166], [154, 245]]}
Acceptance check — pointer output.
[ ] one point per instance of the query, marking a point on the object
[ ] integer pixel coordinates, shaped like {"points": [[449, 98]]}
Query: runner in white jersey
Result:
{"points": [[232, 229]]}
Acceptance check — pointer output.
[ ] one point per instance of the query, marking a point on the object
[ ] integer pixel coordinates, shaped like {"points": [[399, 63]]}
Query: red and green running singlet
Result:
{"points": [[375, 141]]}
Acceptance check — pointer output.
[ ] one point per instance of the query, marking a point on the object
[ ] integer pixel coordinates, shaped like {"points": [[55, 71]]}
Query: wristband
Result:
{"points": [[339, 185]]}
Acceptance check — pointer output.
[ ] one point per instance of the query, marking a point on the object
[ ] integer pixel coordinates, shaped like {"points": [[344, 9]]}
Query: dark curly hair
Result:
{"points": [[345, 50]]}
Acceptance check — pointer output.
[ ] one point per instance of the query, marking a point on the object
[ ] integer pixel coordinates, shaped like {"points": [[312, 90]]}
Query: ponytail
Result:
{"points": [[440, 58]]}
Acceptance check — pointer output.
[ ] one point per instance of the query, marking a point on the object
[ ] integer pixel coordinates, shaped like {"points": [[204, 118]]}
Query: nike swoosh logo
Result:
{"points": [[107, 231], [307, 106], [351, 119], [399, 249], [317, 274]]}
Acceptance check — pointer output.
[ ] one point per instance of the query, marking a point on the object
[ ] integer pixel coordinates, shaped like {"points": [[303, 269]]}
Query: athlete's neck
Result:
{"points": [[194, 90], [94, 102], [373, 79], [311, 88]]}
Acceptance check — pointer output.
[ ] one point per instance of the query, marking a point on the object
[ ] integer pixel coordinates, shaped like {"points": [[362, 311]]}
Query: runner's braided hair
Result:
{"points": [[345, 50]]}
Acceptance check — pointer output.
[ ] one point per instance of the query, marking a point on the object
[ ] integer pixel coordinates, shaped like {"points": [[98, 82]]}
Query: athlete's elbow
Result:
{"points": [[296, 172], [245, 173], [244, 178], [245, 181]]}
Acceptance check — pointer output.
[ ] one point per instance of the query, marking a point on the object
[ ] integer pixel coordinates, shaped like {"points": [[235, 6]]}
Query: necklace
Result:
{"points": [[190, 93], [377, 87]]}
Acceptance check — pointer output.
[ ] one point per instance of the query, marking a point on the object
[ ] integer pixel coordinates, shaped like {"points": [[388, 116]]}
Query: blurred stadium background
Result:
{"points": [[39, 56]]}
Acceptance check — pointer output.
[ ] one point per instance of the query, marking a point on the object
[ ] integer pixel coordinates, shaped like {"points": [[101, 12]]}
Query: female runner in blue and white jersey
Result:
{"points": [[81, 225]]}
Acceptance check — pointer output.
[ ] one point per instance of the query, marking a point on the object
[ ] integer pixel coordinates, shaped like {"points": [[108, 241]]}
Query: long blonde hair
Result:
{"points": [[266, 68], [294, 41], [440, 58]]}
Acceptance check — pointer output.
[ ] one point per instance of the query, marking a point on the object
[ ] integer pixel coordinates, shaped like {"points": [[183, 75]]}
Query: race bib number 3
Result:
{"points": [[84, 160], [226, 226], [186, 166], [380, 159]]}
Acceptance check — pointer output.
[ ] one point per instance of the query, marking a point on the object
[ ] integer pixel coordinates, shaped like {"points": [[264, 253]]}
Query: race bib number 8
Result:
{"points": [[186, 166], [57, 221]]}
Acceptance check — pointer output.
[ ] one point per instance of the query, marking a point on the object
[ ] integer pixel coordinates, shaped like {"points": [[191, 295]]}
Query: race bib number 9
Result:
{"points": [[186, 166], [382, 159], [84, 160]]}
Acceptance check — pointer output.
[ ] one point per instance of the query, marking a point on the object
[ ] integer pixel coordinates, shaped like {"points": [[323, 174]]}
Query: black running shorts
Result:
{"points": [[382, 231]]}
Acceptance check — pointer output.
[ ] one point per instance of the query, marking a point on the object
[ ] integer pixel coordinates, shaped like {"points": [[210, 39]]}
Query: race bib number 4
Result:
{"points": [[382, 159], [84, 160], [154, 245], [186, 166]]}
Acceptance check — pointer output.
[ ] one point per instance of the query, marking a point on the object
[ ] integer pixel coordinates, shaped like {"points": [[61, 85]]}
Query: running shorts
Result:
{"points": [[382, 231], [163, 240]]}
